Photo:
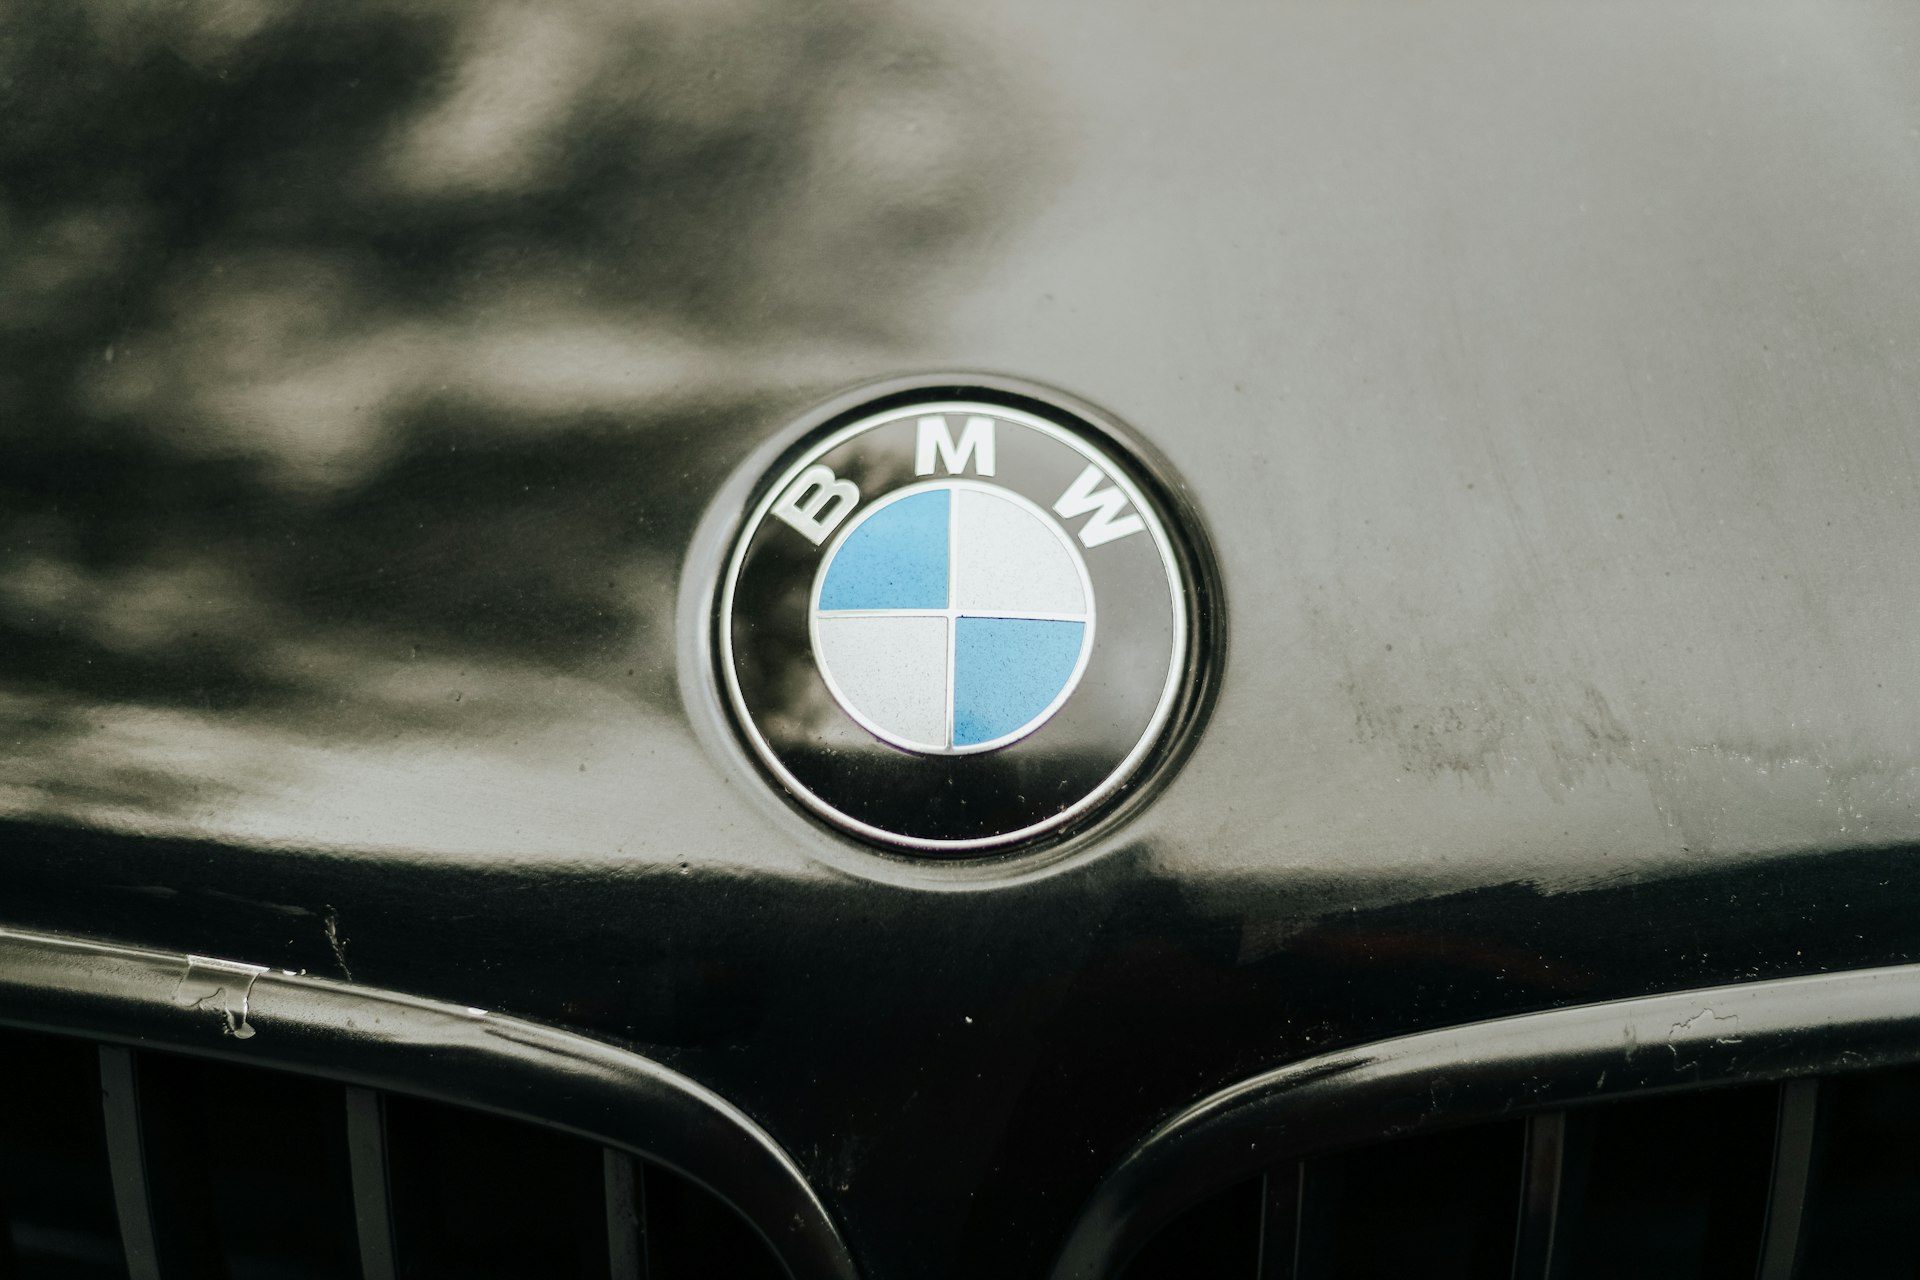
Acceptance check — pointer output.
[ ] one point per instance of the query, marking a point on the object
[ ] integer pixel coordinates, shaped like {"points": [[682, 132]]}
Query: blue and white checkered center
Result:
{"points": [[952, 617]]}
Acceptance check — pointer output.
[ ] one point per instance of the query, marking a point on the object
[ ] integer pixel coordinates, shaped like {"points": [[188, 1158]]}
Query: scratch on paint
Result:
{"points": [[219, 986], [334, 940], [1719, 1028]]}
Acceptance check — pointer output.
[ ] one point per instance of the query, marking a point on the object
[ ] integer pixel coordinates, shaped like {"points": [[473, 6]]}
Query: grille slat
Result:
{"points": [[1279, 1222], [127, 1160], [1315, 1246], [626, 1222], [1543, 1170], [372, 1192], [1796, 1134]]}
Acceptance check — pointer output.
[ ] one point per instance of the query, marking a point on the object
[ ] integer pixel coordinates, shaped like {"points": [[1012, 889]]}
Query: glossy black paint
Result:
{"points": [[1544, 376]]}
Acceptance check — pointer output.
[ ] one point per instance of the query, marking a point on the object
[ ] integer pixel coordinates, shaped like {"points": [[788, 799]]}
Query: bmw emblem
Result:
{"points": [[956, 621]]}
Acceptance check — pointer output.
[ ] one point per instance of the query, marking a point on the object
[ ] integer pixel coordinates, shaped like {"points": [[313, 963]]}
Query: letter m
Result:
{"points": [[976, 442], [1106, 506]]}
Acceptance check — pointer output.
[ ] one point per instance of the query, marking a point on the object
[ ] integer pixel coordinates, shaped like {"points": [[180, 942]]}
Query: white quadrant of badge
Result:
{"points": [[952, 617]]}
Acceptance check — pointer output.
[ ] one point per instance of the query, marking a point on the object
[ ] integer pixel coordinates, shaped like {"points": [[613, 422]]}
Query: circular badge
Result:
{"points": [[954, 625]]}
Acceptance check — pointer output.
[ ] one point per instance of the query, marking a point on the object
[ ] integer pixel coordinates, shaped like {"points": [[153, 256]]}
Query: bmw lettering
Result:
{"points": [[955, 625]]}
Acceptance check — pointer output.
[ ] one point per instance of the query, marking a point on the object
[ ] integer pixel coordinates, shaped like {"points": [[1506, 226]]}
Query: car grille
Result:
{"points": [[1810, 1179], [122, 1162]]}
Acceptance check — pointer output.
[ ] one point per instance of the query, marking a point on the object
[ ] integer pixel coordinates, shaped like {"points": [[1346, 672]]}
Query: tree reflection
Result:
{"points": [[351, 349]]}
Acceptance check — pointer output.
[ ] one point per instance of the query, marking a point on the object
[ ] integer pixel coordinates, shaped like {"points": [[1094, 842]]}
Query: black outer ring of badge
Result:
{"points": [[1192, 691]]}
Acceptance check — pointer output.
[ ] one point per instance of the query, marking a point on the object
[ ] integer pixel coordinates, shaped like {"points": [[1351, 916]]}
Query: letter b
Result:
{"points": [[816, 503]]}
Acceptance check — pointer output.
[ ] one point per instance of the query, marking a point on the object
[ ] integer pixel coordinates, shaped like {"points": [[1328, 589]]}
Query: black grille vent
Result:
{"points": [[150, 1166], [1807, 1180]]}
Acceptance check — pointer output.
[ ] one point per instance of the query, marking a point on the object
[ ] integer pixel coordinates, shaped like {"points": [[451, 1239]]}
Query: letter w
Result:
{"points": [[976, 441], [1107, 504]]}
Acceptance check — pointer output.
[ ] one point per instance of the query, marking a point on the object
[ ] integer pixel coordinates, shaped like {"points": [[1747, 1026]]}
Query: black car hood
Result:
{"points": [[1543, 377]]}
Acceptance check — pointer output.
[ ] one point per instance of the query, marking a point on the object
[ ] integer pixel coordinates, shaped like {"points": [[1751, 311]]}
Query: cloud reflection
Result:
{"points": [[365, 363]]}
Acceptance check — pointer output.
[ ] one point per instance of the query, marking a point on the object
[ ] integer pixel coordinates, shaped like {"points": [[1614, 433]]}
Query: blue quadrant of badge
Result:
{"points": [[896, 559], [1006, 671]]}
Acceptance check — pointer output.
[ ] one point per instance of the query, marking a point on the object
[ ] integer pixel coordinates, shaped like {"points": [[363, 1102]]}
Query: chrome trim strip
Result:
{"points": [[1796, 1137], [1783, 1029], [465, 1056], [372, 1189], [127, 1161]]}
